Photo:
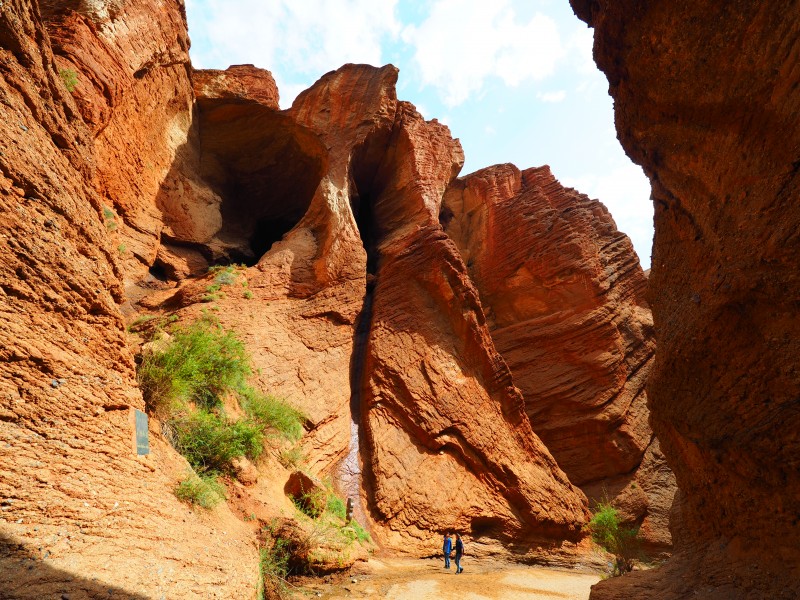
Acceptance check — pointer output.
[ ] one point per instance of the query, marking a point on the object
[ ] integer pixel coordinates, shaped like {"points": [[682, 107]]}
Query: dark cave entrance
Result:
{"points": [[265, 167]]}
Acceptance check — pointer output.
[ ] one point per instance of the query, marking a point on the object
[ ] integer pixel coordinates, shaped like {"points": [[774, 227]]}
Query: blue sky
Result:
{"points": [[513, 79]]}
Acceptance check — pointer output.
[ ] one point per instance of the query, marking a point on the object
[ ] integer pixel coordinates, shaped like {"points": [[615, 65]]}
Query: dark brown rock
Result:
{"points": [[706, 100]]}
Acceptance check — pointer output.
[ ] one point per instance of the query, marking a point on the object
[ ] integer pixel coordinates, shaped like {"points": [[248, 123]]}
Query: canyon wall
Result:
{"points": [[125, 174], [82, 514], [392, 362], [565, 300], [706, 100]]}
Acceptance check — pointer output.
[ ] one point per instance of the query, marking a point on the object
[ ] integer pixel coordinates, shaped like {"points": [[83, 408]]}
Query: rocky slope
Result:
{"points": [[706, 99], [564, 296], [81, 513]]}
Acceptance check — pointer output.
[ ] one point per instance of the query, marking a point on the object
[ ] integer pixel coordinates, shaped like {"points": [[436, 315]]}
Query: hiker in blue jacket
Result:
{"points": [[459, 553], [446, 548]]}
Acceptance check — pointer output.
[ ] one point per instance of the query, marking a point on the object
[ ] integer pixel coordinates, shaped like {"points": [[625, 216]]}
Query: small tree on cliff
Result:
{"points": [[623, 543]]}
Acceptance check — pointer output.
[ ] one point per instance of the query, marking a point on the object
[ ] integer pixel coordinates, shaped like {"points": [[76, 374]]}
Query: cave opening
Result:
{"points": [[265, 167]]}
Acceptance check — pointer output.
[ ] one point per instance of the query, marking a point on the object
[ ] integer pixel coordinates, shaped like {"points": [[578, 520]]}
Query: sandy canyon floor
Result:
{"points": [[401, 579]]}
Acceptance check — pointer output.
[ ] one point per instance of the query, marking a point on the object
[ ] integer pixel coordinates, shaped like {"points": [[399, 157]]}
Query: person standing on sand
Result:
{"points": [[446, 548], [459, 553]]}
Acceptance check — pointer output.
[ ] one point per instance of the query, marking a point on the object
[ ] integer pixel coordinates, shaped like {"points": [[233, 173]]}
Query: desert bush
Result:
{"points": [[209, 441], [200, 364], [204, 491], [622, 542], [272, 412]]}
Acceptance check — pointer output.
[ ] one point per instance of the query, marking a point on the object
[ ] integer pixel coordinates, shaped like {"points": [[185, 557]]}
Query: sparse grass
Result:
{"points": [[204, 491], [110, 218], [70, 79], [210, 441], [274, 566], [201, 363], [138, 322], [291, 458], [272, 412]]}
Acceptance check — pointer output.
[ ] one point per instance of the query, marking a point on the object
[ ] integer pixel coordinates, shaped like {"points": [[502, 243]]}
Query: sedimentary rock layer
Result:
{"points": [[706, 100], [82, 514], [435, 394], [564, 296]]}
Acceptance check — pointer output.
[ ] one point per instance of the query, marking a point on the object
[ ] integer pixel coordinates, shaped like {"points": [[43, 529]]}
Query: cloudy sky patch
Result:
{"points": [[513, 79]]}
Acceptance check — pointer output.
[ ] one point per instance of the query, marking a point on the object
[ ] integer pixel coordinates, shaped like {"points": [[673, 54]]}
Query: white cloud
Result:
{"points": [[625, 190], [553, 97], [490, 130], [309, 37], [463, 42]]}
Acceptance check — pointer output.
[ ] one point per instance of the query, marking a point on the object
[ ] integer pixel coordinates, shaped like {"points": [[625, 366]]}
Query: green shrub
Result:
{"points": [[336, 506], [205, 491], [201, 363], [274, 566], [209, 441], [354, 531], [248, 294], [272, 412], [623, 543], [70, 79]]}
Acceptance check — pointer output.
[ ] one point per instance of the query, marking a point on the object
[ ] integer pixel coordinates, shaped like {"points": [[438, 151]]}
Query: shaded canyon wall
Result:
{"points": [[706, 100]]}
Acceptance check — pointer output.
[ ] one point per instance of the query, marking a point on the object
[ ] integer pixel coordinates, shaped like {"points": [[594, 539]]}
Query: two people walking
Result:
{"points": [[447, 548]]}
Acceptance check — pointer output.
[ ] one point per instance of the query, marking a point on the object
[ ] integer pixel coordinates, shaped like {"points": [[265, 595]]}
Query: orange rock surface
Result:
{"points": [[706, 100], [373, 218], [81, 513], [564, 296]]}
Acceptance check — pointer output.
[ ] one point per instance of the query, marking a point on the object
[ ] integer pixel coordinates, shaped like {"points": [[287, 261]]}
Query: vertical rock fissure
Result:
{"points": [[350, 471]]}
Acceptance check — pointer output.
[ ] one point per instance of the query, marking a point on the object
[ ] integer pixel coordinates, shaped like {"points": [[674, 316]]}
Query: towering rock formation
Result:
{"points": [[359, 309], [81, 513], [706, 100], [564, 295], [427, 392]]}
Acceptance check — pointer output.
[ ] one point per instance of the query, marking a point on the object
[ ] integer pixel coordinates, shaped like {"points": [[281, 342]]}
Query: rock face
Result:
{"points": [[706, 101], [82, 514], [342, 303], [564, 296], [355, 305]]}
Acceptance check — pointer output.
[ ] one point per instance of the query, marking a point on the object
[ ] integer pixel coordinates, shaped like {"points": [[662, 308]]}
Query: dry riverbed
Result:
{"points": [[401, 579]]}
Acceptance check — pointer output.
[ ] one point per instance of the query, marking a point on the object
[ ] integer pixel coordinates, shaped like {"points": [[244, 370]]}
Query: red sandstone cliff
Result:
{"points": [[342, 304], [361, 309], [81, 513], [706, 100], [564, 295]]}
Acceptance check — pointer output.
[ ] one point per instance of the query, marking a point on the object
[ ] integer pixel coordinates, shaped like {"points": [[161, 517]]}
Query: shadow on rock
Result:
{"points": [[24, 574]]}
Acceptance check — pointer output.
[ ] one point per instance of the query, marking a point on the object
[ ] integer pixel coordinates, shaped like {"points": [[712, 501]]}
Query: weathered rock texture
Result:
{"points": [[564, 296], [438, 401], [706, 101], [81, 514], [372, 315]]}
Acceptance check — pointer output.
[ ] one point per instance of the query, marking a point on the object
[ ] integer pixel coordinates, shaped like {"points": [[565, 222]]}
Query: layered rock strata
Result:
{"points": [[371, 222], [706, 100], [81, 513], [564, 296]]}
